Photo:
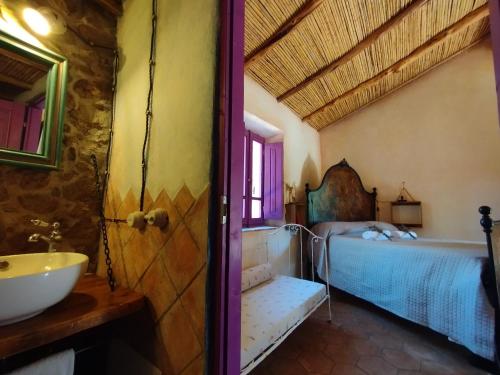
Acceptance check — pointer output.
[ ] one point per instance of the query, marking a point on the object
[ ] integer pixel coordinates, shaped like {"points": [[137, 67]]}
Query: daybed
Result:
{"points": [[273, 306]]}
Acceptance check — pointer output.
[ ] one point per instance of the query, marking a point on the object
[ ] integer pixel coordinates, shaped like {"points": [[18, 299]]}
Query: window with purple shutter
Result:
{"points": [[262, 180], [253, 186], [273, 181]]}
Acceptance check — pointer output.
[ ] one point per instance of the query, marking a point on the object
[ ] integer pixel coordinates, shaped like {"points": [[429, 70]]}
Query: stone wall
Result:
{"points": [[66, 195]]}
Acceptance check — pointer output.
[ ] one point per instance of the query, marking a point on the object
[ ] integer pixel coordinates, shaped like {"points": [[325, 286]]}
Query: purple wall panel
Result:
{"points": [[495, 40]]}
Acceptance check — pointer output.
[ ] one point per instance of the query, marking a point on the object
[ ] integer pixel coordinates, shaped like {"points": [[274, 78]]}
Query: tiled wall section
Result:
{"points": [[169, 267]]}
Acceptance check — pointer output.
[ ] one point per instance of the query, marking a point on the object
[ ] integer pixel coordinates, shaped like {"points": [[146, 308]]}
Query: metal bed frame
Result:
{"points": [[295, 230]]}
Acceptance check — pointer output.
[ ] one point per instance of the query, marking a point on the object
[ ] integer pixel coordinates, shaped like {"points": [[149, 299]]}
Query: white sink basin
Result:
{"points": [[30, 283]]}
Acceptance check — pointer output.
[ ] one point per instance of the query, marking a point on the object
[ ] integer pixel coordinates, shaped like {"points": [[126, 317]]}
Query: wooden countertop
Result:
{"points": [[91, 304]]}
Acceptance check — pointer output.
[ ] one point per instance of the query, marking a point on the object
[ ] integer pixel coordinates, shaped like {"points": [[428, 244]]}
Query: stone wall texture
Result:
{"points": [[67, 195]]}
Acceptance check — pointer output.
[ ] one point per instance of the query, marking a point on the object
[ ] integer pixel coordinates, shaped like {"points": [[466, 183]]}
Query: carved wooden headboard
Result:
{"points": [[340, 197]]}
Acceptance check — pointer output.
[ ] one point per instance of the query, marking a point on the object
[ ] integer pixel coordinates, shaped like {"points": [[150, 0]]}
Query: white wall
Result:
{"points": [[441, 135], [302, 159]]}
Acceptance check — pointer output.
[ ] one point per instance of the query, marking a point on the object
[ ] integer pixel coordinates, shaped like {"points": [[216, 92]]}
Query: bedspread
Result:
{"points": [[434, 283]]}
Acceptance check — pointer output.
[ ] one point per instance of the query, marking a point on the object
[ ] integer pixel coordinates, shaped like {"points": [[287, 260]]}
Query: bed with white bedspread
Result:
{"points": [[438, 284], [433, 283]]}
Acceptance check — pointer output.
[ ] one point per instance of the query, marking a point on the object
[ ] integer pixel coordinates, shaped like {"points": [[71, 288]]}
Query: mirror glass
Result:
{"points": [[32, 96], [23, 86]]}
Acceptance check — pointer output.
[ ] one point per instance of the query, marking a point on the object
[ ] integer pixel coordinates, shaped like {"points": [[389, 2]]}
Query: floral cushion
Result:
{"points": [[256, 275]]}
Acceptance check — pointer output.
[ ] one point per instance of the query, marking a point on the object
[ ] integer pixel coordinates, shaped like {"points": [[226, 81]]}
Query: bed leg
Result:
{"points": [[329, 305]]}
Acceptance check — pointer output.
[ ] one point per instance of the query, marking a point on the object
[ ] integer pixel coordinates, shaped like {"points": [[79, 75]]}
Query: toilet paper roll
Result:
{"points": [[157, 218], [136, 220]]}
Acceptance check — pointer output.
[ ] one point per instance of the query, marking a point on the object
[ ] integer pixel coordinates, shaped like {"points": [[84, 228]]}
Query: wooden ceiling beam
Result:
{"points": [[15, 82], [112, 6], [306, 9], [417, 53], [357, 49]]}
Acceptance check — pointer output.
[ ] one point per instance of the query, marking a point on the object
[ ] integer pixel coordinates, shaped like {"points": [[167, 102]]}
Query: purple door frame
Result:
{"points": [[226, 353], [227, 265]]}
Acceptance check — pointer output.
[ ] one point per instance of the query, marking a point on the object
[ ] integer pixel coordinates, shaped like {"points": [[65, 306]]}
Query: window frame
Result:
{"points": [[248, 221]]}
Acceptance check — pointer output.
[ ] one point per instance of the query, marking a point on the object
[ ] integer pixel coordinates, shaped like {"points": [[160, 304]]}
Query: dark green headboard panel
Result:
{"points": [[340, 197]]}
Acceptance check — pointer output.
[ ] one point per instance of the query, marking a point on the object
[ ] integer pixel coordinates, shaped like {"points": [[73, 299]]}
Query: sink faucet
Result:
{"points": [[54, 236]]}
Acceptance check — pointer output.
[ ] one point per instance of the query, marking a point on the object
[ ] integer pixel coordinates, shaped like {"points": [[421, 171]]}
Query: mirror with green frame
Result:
{"points": [[32, 100]]}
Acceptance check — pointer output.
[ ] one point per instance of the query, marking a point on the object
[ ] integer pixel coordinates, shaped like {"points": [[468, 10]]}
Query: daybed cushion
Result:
{"points": [[254, 276], [270, 309]]}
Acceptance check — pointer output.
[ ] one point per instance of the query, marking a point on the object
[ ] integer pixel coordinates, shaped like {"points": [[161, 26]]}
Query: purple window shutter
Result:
{"points": [[273, 181], [11, 124]]}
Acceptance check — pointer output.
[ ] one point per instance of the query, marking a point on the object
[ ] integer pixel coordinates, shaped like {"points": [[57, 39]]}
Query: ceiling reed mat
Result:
{"points": [[325, 59]]}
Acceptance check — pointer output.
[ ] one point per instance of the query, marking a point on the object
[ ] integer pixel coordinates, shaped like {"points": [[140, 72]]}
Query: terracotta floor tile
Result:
{"points": [[287, 350], [342, 369], [386, 341], [342, 354], [356, 330], [401, 359], [316, 361], [364, 347], [421, 351], [338, 337], [286, 367], [374, 365], [440, 368], [304, 342]]}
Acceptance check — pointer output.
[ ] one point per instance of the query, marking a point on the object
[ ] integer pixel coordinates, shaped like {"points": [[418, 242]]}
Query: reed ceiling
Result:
{"points": [[20, 72], [325, 59]]}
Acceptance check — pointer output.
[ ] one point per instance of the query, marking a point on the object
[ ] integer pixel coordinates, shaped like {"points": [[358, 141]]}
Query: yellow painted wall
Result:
{"points": [[169, 265], [302, 159], [441, 135], [180, 146]]}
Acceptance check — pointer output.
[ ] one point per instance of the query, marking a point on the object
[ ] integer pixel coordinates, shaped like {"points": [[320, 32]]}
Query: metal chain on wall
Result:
{"points": [[102, 224], [102, 189], [149, 105]]}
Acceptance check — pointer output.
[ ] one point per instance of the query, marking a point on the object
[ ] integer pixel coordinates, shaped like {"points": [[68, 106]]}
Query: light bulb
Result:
{"points": [[36, 21]]}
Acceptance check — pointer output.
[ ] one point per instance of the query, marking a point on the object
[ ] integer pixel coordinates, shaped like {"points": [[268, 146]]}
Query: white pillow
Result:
{"points": [[376, 236], [410, 235], [382, 225], [254, 276], [340, 227]]}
